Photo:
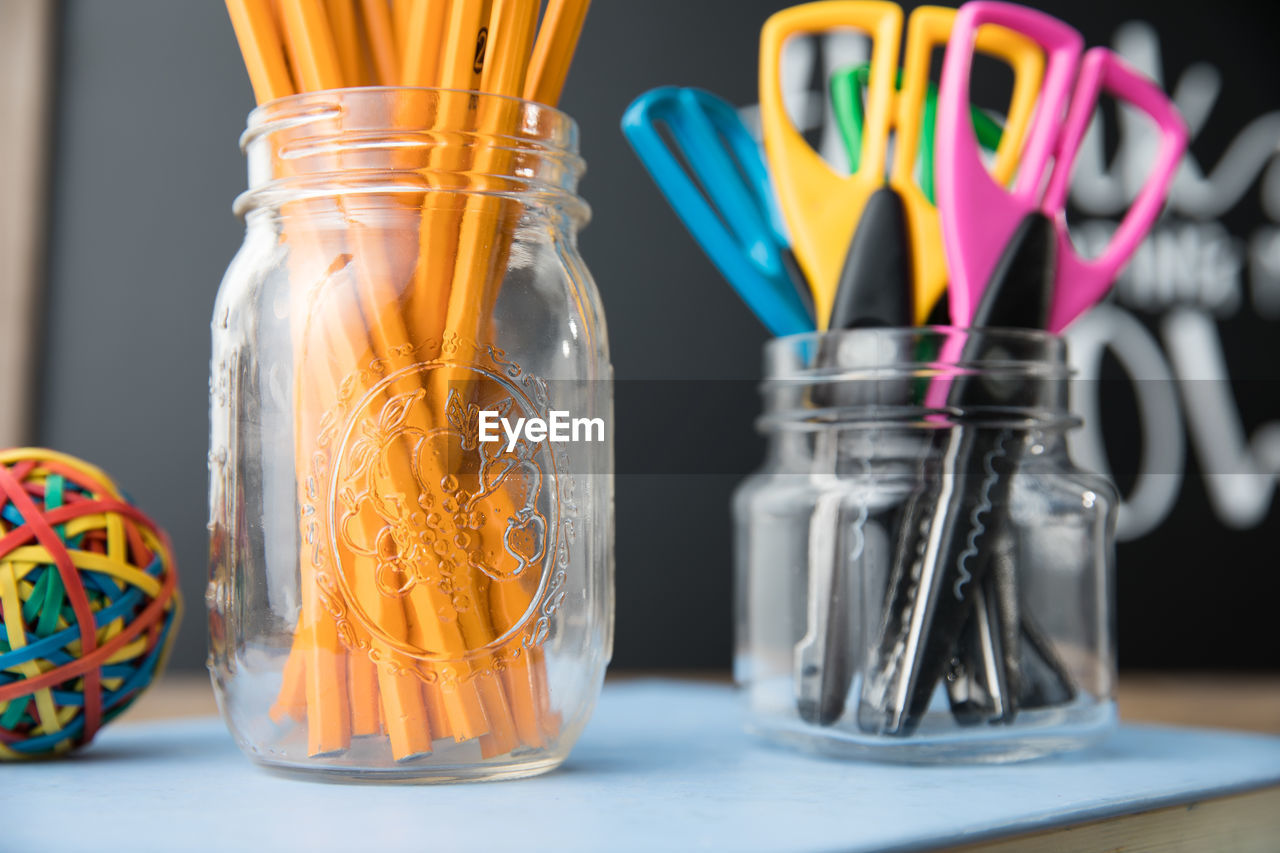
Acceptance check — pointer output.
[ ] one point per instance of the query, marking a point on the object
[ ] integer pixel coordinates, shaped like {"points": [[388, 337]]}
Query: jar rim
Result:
{"points": [[260, 123], [853, 418], [387, 140], [1001, 332], [910, 376], [874, 352]]}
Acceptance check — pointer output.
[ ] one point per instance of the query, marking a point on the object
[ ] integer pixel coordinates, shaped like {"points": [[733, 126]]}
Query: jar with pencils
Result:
{"points": [[411, 506], [922, 573]]}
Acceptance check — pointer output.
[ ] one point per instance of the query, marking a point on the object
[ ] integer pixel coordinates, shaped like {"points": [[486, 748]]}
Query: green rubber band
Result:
{"points": [[13, 714], [32, 605], [53, 599]]}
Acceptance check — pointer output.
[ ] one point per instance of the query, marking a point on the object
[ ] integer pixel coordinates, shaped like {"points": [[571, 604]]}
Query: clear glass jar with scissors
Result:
{"points": [[923, 574]]}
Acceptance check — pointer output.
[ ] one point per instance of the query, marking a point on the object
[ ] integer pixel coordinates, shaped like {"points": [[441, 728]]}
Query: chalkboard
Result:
{"points": [[152, 98]]}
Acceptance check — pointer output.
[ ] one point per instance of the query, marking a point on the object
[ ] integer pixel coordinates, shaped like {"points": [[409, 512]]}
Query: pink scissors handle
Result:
{"points": [[978, 215], [1080, 283]]}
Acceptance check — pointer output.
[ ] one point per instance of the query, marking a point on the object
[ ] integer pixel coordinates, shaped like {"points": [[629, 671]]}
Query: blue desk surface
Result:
{"points": [[661, 766]]}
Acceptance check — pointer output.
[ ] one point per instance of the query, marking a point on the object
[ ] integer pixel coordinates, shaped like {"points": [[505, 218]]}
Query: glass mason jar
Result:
{"points": [[922, 573], [398, 589]]}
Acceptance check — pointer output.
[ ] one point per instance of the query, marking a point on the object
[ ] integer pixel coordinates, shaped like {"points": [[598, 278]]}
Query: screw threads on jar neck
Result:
{"points": [[385, 141], [927, 377]]}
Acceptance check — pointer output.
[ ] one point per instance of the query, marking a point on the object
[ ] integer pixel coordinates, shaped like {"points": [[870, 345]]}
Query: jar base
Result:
{"points": [[433, 775], [1072, 729], [282, 747]]}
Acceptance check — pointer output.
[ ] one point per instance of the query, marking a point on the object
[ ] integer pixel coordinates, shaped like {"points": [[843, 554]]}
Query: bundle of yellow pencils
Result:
{"points": [[344, 678]]}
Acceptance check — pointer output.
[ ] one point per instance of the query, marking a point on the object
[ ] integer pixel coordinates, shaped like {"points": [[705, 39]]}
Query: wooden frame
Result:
{"points": [[26, 54]]}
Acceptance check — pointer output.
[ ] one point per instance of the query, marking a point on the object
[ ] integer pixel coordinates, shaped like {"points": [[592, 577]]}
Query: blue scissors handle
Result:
{"points": [[724, 119], [728, 206]]}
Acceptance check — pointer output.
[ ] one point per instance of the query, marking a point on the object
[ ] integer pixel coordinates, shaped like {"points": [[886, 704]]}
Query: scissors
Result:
{"points": [[878, 283], [727, 202], [1012, 266], [1001, 661], [823, 209]]}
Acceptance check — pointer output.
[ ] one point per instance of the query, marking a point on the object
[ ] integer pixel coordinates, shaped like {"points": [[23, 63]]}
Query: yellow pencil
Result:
{"points": [[553, 52], [421, 64], [312, 52], [512, 26], [343, 18], [401, 11], [463, 53], [382, 41], [264, 58]]}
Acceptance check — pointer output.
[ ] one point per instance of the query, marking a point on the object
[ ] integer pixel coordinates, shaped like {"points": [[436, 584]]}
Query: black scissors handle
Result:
{"points": [[875, 289], [876, 282]]}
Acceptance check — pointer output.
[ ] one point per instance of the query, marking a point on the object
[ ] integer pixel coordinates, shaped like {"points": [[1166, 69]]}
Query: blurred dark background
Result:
{"points": [[151, 97]]}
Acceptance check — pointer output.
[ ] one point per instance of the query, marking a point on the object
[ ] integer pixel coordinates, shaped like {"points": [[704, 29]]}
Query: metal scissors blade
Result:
{"points": [[727, 203], [979, 215], [936, 575]]}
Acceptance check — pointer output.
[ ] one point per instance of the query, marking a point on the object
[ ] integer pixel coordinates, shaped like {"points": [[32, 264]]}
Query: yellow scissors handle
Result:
{"points": [[928, 28], [822, 207]]}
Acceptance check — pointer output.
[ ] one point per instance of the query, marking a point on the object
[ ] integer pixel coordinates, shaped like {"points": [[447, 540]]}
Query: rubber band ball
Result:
{"points": [[89, 602]]}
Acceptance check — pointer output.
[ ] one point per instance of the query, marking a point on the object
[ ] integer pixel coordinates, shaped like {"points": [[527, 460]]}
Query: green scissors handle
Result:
{"points": [[847, 85]]}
